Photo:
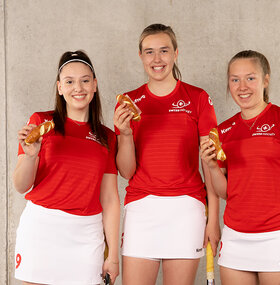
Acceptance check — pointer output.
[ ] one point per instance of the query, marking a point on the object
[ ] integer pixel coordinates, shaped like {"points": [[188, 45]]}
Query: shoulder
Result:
{"points": [[40, 117], [110, 134], [136, 92], [225, 126], [196, 94], [194, 90], [275, 108]]}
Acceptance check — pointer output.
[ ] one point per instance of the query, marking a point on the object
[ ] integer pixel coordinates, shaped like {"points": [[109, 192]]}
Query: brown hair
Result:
{"points": [[258, 58], [95, 111], [160, 28]]}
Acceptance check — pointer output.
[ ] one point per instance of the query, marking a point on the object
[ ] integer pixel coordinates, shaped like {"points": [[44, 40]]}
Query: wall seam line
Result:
{"points": [[6, 142]]}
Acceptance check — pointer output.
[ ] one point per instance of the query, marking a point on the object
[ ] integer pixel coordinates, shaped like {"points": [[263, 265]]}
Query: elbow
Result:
{"points": [[20, 188], [127, 174]]}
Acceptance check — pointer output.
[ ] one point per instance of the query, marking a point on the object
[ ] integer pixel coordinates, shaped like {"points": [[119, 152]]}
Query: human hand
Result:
{"points": [[122, 117], [112, 268], [31, 150], [208, 153], [213, 235]]}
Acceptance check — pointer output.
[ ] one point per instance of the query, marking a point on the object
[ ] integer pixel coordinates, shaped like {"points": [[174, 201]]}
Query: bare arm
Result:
{"points": [[110, 202], [218, 178], [212, 232], [27, 164], [126, 160]]}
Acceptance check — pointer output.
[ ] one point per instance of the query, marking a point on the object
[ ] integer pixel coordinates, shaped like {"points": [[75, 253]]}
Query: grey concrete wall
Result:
{"points": [[3, 152], [34, 33]]}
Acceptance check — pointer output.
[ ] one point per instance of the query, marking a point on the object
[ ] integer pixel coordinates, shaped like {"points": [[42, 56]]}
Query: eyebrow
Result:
{"points": [[252, 73], [147, 49], [70, 77]]}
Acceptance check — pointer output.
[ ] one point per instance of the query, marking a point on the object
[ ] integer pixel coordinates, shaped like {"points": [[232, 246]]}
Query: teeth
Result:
{"points": [[79, 96], [244, 96], [158, 67]]}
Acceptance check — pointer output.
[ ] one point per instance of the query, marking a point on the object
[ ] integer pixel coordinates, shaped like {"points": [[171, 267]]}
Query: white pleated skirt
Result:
{"points": [[164, 228], [55, 247], [258, 252]]}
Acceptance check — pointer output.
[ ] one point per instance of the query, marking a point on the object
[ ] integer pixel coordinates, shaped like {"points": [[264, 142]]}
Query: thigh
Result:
{"points": [[179, 271], [139, 271], [236, 277], [268, 278]]}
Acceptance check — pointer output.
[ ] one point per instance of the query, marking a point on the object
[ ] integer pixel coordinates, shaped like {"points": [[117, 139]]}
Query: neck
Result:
{"points": [[162, 88], [248, 114], [80, 116]]}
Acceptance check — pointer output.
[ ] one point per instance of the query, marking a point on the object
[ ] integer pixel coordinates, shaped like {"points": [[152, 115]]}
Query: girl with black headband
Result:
{"points": [[72, 175]]}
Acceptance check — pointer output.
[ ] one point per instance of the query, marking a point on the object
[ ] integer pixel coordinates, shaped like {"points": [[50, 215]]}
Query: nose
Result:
{"points": [[157, 57], [243, 84], [78, 86]]}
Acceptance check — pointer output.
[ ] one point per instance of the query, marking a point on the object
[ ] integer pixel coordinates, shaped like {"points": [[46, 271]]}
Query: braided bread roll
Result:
{"points": [[39, 131], [132, 107], [214, 137]]}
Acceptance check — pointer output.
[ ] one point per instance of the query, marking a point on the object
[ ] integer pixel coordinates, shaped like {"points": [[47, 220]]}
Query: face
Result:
{"points": [[77, 86], [246, 83], [158, 56]]}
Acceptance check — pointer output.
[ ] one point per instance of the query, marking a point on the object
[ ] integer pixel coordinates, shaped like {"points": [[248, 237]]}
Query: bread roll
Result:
{"points": [[214, 137], [39, 131], [132, 107]]}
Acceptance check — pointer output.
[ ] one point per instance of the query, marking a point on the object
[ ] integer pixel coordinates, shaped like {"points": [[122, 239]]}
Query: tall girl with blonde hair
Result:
{"points": [[159, 155]]}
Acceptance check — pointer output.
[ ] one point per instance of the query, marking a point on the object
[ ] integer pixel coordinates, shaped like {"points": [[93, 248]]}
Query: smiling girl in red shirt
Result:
{"points": [[164, 204]]}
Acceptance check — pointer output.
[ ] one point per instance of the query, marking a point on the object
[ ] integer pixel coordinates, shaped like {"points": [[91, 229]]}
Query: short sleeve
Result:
{"points": [[206, 114], [111, 161], [35, 120]]}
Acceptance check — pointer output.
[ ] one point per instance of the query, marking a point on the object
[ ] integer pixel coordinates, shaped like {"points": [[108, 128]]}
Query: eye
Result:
{"points": [[164, 51], [69, 82], [251, 78], [234, 80], [86, 80], [149, 52]]}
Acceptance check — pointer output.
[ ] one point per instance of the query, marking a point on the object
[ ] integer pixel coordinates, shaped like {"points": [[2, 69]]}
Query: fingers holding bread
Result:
{"points": [[214, 138]]}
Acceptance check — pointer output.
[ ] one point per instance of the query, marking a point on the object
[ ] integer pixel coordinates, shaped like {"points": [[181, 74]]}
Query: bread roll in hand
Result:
{"points": [[132, 107], [214, 137], [39, 131]]}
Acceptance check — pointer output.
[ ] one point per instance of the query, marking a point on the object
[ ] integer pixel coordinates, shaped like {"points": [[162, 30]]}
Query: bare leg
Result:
{"points": [[237, 277], [179, 271], [139, 271], [268, 278]]}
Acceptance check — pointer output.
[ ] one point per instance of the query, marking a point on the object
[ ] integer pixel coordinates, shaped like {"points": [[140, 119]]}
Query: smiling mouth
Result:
{"points": [[80, 96], [158, 68], [244, 96]]}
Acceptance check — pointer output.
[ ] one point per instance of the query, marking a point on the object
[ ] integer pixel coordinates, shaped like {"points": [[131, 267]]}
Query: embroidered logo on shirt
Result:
{"points": [[92, 137], [180, 106], [264, 130], [223, 131], [139, 99]]}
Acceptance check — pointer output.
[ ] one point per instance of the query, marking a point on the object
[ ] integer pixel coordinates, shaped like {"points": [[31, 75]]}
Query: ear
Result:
{"points": [[266, 80], [176, 54], [59, 88]]}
